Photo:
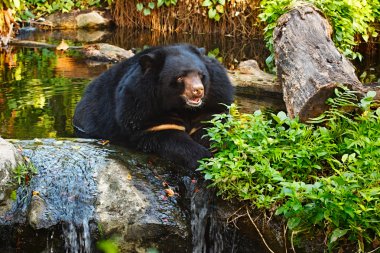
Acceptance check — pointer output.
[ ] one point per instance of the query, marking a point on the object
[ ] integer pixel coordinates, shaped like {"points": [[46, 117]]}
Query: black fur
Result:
{"points": [[124, 102]]}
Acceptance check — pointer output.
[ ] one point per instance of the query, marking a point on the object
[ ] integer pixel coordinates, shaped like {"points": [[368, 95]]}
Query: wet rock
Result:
{"points": [[60, 20], [9, 159], [79, 19], [91, 20], [106, 53], [136, 211], [37, 212], [84, 191], [253, 84], [250, 78]]}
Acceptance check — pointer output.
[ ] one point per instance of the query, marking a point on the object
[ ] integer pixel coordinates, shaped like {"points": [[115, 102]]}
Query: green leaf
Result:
{"points": [[206, 3], [16, 4], [146, 12], [208, 176], [139, 6], [269, 59], [212, 13], [220, 8], [222, 2], [151, 5], [365, 37], [217, 17], [160, 3], [13, 195], [344, 158], [282, 115], [108, 246], [371, 94], [294, 222], [337, 233]]}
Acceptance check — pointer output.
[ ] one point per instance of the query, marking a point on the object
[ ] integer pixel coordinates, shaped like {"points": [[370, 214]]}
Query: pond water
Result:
{"points": [[39, 88]]}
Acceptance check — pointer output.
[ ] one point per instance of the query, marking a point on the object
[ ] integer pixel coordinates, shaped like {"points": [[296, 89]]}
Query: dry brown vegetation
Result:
{"points": [[7, 25], [240, 17]]}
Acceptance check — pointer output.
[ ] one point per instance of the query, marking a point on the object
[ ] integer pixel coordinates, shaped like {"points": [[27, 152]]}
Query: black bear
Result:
{"points": [[157, 102]]}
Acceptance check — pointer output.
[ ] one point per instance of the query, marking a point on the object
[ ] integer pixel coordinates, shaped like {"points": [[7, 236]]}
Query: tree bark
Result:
{"points": [[309, 66]]}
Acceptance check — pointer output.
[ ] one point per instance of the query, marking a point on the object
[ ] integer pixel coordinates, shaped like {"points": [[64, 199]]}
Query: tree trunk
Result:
{"points": [[309, 66]]}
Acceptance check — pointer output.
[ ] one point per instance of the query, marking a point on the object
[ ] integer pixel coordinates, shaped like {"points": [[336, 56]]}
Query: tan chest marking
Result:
{"points": [[166, 127]]}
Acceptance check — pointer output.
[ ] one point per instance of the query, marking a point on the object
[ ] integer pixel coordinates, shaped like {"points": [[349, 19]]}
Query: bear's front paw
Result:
{"points": [[196, 155]]}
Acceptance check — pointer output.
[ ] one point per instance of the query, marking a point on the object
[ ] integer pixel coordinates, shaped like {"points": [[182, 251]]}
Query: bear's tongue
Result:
{"points": [[195, 100]]}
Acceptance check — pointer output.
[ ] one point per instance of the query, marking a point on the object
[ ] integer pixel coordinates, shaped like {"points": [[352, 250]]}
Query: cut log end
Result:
{"points": [[316, 104]]}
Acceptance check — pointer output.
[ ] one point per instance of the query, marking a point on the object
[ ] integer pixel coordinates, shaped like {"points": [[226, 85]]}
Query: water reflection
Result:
{"points": [[232, 50], [38, 92]]}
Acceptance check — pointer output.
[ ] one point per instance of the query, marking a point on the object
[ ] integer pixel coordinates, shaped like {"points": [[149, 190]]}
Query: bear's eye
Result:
{"points": [[180, 79]]}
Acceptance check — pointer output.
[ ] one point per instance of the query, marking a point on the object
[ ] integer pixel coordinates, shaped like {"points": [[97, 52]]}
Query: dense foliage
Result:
{"points": [[12, 4], [36, 8], [348, 19], [215, 7], [324, 174]]}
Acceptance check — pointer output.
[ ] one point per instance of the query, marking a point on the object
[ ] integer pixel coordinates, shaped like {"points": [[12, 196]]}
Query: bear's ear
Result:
{"points": [[147, 61]]}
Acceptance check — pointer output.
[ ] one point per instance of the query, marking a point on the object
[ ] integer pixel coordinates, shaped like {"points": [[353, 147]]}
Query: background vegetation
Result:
{"points": [[352, 21]]}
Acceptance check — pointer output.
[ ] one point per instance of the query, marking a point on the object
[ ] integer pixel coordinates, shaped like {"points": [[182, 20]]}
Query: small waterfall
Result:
{"points": [[66, 184], [207, 231], [77, 239]]}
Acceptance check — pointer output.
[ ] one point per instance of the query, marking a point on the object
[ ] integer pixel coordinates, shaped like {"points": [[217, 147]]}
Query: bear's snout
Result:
{"points": [[198, 91]]}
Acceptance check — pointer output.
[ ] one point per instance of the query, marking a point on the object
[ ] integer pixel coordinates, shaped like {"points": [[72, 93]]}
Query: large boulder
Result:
{"points": [[85, 192]]}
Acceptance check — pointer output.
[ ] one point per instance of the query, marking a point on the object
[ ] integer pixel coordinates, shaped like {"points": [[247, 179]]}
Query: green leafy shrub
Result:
{"points": [[348, 19], [38, 8], [322, 175], [12, 4], [23, 172], [216, 8]]}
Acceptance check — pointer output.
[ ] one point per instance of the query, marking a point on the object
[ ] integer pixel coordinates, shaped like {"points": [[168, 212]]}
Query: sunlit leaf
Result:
{"points": [[146, 12], [139, 6], [337, 233], [151, 5], [220, 8], [206, 3], [107, 246], [160, 3]]}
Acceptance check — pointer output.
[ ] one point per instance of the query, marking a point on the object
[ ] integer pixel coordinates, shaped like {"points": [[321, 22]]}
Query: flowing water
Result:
{"points": [[65, 183], [207, 234]]}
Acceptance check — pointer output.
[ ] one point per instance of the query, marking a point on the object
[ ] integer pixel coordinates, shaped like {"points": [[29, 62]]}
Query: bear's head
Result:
{"points": [[181, 75]]}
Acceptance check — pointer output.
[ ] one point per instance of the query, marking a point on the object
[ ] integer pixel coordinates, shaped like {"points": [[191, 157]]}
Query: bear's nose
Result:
{"points": [[198, 91]]}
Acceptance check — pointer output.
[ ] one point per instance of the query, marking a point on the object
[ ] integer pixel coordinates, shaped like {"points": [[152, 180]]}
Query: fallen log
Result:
{"points": [[309, 66]]}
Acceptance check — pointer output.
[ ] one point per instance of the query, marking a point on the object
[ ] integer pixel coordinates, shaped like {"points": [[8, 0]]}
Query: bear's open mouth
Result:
{"points": [[193, 102]]}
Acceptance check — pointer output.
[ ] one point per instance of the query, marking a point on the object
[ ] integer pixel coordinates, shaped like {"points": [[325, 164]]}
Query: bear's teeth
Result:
{"points": [[194, 102]]}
